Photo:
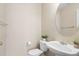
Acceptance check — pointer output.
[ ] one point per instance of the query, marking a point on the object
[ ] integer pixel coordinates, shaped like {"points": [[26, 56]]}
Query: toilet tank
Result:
{"points": [[43, 46]]}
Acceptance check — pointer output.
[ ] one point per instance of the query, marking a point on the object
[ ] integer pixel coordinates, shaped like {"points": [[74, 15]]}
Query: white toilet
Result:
{"points": [[38, 52], [35, 52]]}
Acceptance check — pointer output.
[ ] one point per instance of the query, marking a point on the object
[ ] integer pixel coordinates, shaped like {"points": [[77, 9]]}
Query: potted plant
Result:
{"points": [[44, 37], [76, 42]]}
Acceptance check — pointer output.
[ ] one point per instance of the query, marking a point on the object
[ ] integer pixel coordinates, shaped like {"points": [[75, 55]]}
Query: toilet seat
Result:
{"points": [[35, 52]]}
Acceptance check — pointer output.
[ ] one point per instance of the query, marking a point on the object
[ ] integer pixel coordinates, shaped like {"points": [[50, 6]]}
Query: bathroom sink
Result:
{"points": [[62, 48]]}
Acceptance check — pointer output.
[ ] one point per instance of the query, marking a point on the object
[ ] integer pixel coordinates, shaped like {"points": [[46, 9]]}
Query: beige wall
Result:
{"points": [[2, 29], [48, 23], [48, 20], [24, 24], [2, 11]]}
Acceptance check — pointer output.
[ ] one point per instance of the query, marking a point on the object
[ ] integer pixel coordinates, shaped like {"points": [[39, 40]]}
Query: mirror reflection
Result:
{"points": [[67, 18]]}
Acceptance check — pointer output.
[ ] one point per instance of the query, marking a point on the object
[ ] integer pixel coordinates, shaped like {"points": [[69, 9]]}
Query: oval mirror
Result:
{"points": [[67, 18]]}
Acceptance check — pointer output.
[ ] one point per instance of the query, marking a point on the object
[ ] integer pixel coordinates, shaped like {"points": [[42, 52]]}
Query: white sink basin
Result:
{"points": [[62, 47]]}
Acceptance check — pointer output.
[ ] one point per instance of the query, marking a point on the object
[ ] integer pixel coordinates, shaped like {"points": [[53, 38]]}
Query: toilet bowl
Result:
{"points": [[35, 52], [38, 52]]}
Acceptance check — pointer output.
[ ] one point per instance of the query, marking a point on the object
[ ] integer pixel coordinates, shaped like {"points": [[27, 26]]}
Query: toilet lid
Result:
{"points": [[35, 52]]}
